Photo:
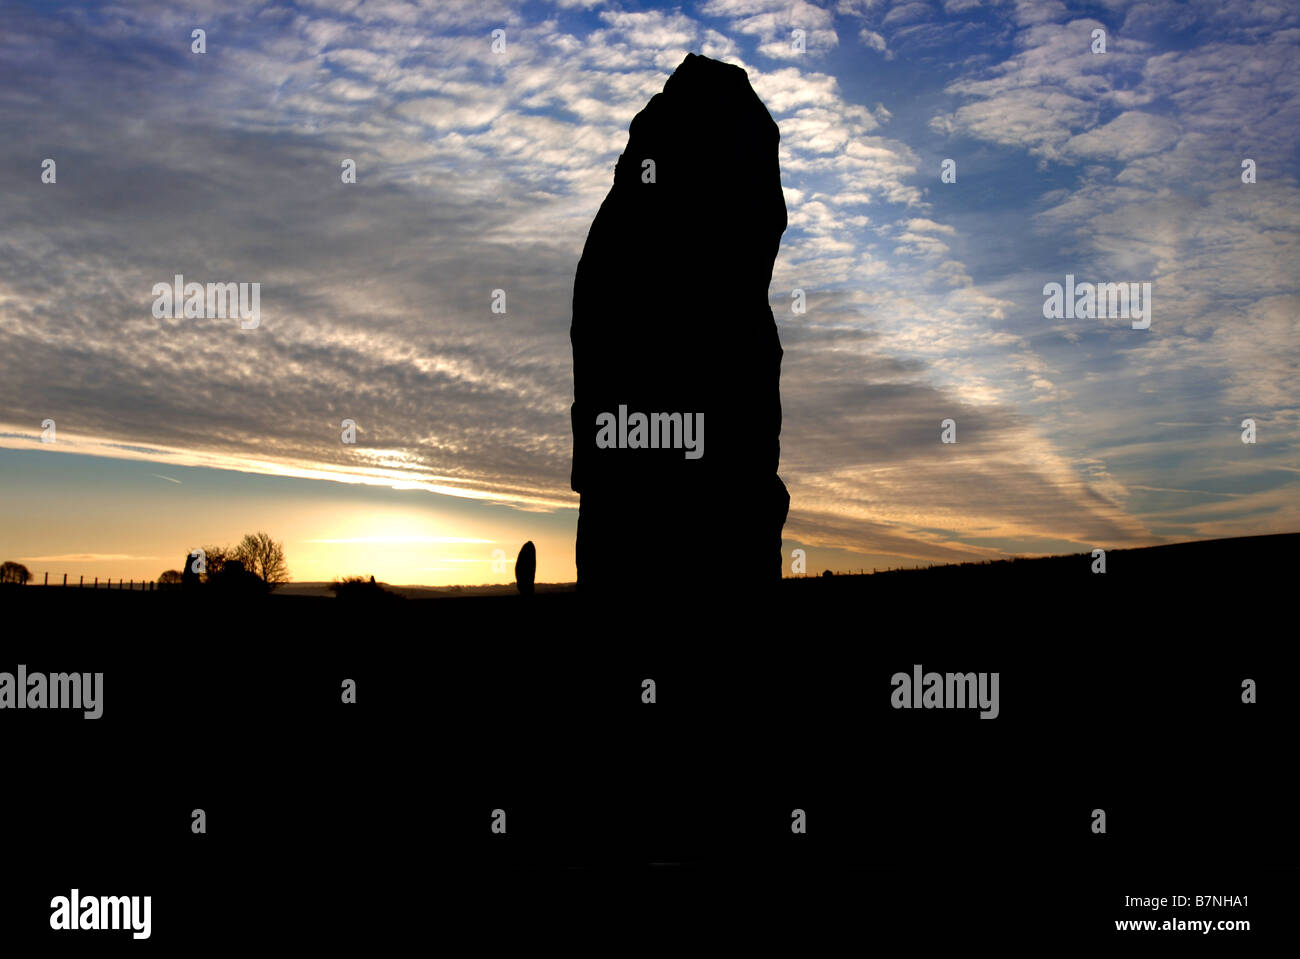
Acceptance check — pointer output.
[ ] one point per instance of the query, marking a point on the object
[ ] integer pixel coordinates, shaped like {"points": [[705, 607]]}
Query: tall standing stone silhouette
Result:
{"points": [[671, 316]]}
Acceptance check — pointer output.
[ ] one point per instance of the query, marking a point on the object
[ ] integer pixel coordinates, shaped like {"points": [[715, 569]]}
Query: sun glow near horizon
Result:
{"points": [[132, 519], [404, 547]]}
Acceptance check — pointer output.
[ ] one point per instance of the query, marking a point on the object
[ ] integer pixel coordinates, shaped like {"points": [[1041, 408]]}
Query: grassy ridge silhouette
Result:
{"points": [[1241, 565]]}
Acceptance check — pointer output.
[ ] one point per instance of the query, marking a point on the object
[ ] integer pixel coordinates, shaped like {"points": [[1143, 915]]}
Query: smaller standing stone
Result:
{"points": [[526, 568]]}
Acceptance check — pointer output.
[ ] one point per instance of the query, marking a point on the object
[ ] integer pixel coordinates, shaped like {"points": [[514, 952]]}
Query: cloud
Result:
{"points": [[479, 171], [773, 22], [874, 41], [84, 558], [907, 13], [1130, 135], [401, 540]]}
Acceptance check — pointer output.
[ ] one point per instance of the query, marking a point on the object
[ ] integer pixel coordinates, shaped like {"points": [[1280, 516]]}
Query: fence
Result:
{"points": [[146, 585]]}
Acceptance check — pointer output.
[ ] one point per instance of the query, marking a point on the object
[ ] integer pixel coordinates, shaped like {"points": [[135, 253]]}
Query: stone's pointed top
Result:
{"points": [[724, 84], [696, 65], [694, 62]]}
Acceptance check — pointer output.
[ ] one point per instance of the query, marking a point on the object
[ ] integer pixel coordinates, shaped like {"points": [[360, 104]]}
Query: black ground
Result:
{"points": [[370, 823]]}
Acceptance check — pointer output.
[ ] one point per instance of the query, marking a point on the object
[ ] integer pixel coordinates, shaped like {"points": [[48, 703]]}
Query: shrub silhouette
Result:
{"points": [[360, 589], [234, 578]]}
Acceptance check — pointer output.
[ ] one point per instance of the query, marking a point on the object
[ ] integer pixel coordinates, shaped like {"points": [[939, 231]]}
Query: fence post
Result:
{"points": [[47, 579], [81, 581], [65, 579], [96, 586]]}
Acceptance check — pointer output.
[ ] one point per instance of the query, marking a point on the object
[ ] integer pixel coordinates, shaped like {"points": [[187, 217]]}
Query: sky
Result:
{"points": [[481, 170]]}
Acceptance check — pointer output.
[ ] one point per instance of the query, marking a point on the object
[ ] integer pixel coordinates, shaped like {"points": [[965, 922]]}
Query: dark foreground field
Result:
{"points": [[1120, 692]]}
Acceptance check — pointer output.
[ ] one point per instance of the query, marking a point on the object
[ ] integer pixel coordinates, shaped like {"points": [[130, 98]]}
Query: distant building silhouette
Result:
{"points": [[189, 578]]}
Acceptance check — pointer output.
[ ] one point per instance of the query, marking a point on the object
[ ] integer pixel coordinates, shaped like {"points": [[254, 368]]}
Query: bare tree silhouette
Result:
{"points": [[11, 572], [263, 556]]}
